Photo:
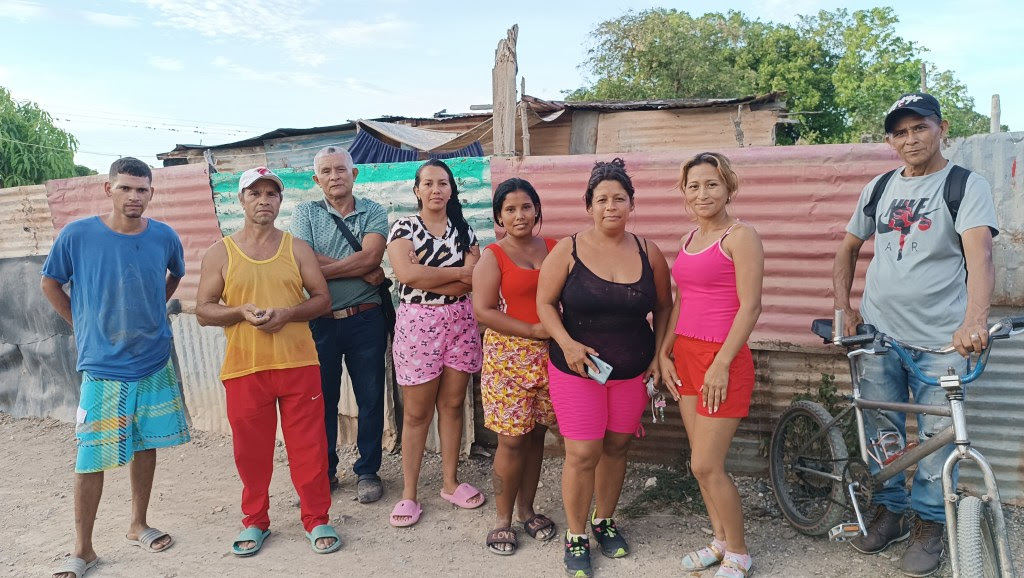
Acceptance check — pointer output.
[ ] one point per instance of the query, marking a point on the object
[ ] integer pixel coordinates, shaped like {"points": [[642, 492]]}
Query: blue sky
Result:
{"points": [[137, 77]]}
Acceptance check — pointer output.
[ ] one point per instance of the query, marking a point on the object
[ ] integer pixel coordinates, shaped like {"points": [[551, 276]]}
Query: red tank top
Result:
{"points": [[707, 291], [518, 285]]}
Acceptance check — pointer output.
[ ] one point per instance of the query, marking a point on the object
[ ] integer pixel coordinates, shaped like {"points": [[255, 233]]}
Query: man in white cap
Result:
{"points": [[929, 283], [255, 285]]}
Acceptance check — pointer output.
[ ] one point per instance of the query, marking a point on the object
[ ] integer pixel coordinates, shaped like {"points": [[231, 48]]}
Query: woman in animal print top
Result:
{"points": [[437, 344]]}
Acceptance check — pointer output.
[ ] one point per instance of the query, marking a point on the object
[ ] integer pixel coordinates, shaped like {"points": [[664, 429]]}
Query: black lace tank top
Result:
{"points": [[610, 317]]}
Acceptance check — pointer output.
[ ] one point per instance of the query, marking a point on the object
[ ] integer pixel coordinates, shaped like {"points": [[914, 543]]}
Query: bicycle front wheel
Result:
{"points": [[806, 464], [977, 554]]}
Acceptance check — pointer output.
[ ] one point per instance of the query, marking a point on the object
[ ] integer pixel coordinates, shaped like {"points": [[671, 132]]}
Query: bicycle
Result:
{"points": [[816, 482]]}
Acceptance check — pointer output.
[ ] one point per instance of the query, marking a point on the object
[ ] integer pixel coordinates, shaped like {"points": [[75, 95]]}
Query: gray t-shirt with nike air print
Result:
{"points": [[916, 288]]}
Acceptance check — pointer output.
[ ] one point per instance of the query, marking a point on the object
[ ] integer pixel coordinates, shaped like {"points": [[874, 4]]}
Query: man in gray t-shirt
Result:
{"points": [[917, 290]]}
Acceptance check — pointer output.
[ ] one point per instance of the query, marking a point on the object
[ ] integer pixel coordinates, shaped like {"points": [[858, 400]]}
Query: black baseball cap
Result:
{"points": [[916, 102]]}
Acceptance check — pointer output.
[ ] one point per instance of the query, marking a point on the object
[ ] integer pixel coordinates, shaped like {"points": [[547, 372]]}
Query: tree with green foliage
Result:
{"points": [[32, 149], [840, 70]]}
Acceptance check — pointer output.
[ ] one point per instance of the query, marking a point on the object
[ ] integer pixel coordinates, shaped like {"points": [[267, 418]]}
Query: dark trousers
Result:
{"points": [[360, 341]]}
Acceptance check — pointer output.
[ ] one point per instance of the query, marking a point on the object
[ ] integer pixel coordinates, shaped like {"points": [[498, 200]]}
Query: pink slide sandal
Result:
{"points": [[462, 495], [406, 509]]}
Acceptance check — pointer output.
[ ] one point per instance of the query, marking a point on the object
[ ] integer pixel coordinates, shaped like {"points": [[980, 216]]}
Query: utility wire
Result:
{"points": [[123, 122], [119, 115], [2, 137]]}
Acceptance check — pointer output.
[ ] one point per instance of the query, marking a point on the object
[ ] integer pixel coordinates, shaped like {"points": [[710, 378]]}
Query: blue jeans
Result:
{"points": [[360, 341], [887, 378]]}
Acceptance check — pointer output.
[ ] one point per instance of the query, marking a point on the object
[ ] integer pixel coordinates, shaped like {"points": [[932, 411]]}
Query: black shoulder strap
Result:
{"points": [[954, 189], [876, 193], [343, 227]]}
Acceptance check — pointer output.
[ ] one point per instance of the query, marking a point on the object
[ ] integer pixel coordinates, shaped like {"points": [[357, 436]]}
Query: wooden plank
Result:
{"points": [[503, 84], [583, 135]]}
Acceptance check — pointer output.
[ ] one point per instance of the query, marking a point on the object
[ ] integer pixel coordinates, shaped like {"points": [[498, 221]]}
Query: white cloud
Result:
{"points": [[302, 79], [21, 10], [111, 20], [306, 38], [166, 63]]}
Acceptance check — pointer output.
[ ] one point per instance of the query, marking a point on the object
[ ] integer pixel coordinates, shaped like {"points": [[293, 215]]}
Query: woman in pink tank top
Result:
{"points": [[708, 366]]}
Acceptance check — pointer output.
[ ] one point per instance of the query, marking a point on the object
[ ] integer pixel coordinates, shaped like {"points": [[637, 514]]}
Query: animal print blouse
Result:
{"points": [[432, 252]]}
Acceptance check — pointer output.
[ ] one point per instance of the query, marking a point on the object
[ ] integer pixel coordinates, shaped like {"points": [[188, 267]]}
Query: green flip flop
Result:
{"points": [[250, 534], [324, 531]]}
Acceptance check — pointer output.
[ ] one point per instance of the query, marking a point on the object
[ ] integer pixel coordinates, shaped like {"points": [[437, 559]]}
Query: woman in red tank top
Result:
{"points": [[708, 366], [514, 378]]}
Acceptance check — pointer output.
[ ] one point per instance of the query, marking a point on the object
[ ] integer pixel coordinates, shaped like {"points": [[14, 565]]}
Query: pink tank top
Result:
{"points": [[707, 291]]}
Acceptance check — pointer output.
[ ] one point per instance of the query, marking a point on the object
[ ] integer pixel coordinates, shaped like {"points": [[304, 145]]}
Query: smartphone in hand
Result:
{"points": [[603, 372]]}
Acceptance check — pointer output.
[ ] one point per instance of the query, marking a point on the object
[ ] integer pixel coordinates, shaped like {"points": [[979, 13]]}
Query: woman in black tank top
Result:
{"points": [[594, 296]]}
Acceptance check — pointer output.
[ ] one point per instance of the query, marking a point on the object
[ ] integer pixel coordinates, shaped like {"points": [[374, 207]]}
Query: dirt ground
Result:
{"points": [[197, 492]]}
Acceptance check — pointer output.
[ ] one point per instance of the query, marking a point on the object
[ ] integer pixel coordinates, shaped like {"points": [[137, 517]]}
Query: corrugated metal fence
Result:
{"points": [[800, 199]]}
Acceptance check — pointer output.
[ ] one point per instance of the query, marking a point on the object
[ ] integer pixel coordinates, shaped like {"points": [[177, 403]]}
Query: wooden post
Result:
{"points": [[994, 123], [503, 84], [924, 77], [523, 106]]}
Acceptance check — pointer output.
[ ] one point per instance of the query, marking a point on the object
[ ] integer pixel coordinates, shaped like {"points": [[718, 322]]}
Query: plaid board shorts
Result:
{"points": [[118, 418]]}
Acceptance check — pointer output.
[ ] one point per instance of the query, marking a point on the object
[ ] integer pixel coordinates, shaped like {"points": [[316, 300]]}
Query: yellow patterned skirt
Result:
{"points": [[514, 384]]}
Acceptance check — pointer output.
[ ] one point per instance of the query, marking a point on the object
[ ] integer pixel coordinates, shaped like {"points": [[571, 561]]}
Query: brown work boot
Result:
{"points": [[924, 554], [885, 528]]}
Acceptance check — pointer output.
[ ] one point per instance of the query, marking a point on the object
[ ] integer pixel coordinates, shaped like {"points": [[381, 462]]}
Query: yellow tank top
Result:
{"points": [[273, 282]]}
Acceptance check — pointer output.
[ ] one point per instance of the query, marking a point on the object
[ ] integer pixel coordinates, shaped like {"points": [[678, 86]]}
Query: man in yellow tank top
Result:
{"points": [[254, 285]]}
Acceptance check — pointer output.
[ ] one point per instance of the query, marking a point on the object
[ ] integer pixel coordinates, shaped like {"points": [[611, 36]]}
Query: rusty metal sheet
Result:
{"points": [[799, 198], [669, 130], [182, 199], [25, 226]]}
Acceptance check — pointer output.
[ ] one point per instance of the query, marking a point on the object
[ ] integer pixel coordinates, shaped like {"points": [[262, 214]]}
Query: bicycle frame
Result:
{"points": [[956, 433]]}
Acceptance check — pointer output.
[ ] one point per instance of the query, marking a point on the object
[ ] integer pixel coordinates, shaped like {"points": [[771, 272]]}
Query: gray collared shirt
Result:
{"points": [[314, 225]]}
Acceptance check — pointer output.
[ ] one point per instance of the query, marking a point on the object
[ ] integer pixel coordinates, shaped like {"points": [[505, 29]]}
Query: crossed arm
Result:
{"points": [[443, 280]]}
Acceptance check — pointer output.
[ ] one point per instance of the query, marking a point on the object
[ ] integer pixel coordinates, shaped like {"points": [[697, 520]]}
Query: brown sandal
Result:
{"points": [[536, 524], [502, 536]]}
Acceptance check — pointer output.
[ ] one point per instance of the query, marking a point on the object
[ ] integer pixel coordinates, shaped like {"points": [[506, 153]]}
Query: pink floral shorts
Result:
{"points": [[430, 337]]}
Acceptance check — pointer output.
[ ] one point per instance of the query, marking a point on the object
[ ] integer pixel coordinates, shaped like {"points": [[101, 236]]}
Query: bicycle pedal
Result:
{"points": [[844, 532]]}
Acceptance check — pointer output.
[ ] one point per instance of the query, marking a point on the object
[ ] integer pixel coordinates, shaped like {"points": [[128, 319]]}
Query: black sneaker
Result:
{"points": [[884, 529], [577, 557], [613, 545]]}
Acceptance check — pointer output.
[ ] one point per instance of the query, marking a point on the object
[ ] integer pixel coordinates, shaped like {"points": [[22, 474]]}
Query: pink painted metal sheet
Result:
{"points": [[182, 198], [799, 198]]}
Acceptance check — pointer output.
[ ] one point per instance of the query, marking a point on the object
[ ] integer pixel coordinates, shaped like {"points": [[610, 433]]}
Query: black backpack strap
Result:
{"points": [[954, 188], [343, 227], [876, 193]]}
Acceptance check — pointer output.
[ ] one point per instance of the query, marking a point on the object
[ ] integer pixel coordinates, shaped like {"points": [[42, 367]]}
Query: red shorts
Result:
{"points": [[693, 357]]}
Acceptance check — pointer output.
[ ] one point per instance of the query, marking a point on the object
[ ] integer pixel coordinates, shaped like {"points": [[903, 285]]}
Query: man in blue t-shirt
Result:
{"points": [[121, 268]]}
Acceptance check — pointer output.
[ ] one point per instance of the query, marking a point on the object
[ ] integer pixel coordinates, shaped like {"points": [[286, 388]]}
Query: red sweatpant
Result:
{"points": [[253, 401]]}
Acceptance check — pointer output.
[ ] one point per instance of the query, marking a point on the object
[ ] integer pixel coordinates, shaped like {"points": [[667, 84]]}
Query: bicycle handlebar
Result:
{"points": [[866, 334]]}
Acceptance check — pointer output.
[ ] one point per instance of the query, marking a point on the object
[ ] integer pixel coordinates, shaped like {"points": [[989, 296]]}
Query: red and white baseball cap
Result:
{"points": [[252, 175]]}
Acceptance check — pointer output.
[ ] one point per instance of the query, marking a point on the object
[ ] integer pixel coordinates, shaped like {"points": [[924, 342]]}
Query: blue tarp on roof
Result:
{"points": [[368, 149]]}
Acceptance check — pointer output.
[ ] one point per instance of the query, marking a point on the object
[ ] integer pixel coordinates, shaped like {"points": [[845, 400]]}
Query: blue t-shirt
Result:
{"points": [[118, 295]]}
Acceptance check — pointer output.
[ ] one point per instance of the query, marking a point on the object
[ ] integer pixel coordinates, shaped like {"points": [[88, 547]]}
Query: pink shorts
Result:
{"points": [[430, 337], [585, 409]]}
